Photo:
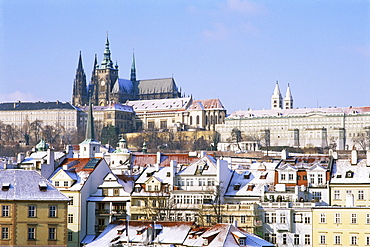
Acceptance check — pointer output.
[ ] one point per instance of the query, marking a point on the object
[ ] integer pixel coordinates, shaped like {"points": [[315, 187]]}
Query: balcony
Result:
{"points": [[110, 212]]}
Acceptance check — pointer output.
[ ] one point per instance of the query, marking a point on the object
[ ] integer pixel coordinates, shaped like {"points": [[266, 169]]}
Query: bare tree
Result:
{"points": [[236, 135], [363, 139], [36, 130]]}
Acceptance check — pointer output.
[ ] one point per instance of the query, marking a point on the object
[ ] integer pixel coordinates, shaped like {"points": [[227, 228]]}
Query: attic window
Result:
{"points": [[339, 176], [242, 241], [247, 175], [250, 187], [349, 174], [236, 186], [168, 174], [5, 186], [119, 232], [263, 176], [43, 186]]}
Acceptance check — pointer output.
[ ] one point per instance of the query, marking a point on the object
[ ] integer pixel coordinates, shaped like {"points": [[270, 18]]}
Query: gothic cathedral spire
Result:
{"points": [[79, 96], [133, 69], [276, 98]]}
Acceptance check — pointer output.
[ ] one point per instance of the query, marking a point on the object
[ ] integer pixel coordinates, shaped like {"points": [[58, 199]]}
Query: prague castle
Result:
{"points": [[106, 87]]}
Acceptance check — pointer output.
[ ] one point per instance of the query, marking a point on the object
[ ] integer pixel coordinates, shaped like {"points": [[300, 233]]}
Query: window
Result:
{"points": [[267, 236], [52, 211], [353, 240], [242, 241], [337, 218], [322, 239], [5, 233], [353, 218], [70, 218], [282, 219], [361, 195], [116, 192], [5, 211], [307, 219], [52, 233], [319, 179], [151, 125], [282, 176], [290, 176], [284, 239], [70, 236], [242, 219], [164, 124], [149, 188], [337, 239], [312, 179], [105, 192], [316, 195], [273, 238], [56, 183], [307, 239], [31, 233], [156, 187], [267, 218], [367, 218], [31, 211], [296, 239], [71, 201], [322, 218], [66, 183], [336, 194], [273, 218], [367, 240]]}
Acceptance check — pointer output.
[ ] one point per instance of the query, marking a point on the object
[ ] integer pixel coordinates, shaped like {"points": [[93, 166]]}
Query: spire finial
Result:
{"points": [[133, 67]]}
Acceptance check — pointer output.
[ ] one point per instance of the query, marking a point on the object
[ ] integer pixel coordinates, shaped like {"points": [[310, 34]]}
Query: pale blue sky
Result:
{"points": [[232, 50]]}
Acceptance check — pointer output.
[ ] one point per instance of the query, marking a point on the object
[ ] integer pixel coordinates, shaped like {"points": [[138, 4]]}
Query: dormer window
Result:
{"points": [[250, 187], [43, 186], [168, 174], [236, 186], [247, 175], [349, 174], [56, 183], [242, 241], [5, 186], [263, 176]]}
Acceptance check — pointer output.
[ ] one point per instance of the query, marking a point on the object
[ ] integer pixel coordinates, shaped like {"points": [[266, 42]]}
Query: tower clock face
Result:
{"points": [[102, 83]]}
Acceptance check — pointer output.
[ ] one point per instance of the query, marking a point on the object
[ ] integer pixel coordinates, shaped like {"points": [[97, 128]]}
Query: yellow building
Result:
{"points": [[350, 183], [33, 212], [340, 226]]}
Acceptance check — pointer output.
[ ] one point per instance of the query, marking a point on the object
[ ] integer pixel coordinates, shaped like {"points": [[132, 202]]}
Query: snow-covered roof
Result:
{"points": [[206, 104], [298, 112], [166, 233], [345, 173], [251, 182], [110, 107], [306, 162], [174, 104], [226, 235], [207, 163], [26, 186]]}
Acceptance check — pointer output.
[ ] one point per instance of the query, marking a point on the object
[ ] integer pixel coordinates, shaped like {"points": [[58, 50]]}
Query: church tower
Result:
{"points": [[276, 98], [288, 100], [79, 95], [89, 147], [106, 77]]}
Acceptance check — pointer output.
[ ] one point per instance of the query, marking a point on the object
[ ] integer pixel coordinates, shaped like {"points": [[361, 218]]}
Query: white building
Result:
{"points": [[336, 127]]}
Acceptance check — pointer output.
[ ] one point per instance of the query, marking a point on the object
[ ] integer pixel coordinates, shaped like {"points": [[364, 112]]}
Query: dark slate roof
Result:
{"points": [[25, 186], [24, 106], [165, 85]]}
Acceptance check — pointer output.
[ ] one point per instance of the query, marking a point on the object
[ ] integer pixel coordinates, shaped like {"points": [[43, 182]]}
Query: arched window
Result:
{"points": [[197, 120], [191, 120]]}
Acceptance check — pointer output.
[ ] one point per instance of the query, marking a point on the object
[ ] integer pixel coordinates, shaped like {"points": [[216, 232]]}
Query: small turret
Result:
{"points": [[276, 98], [288, 100]]}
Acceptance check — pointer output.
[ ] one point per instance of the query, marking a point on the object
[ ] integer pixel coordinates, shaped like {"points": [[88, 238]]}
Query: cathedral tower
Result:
{"points": [[106, 77], [79, 95], [288, 100], [276, 98]]}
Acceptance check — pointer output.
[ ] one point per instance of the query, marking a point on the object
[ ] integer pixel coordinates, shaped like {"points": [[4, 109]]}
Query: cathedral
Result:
{"points": [[106, 87]]}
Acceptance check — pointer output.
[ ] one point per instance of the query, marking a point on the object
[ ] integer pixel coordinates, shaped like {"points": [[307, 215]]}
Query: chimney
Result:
{"points": [[284, 154], [158, 158], [50, 157], [354, 157], [20, 157]]}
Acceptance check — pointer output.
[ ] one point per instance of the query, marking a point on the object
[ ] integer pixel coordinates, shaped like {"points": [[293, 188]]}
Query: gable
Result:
{"points": [[62, 175]]}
